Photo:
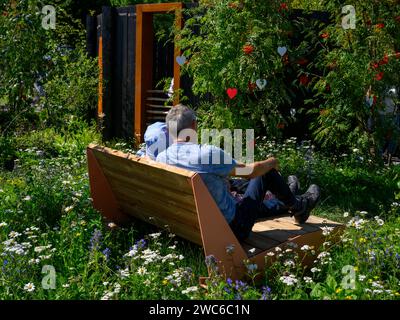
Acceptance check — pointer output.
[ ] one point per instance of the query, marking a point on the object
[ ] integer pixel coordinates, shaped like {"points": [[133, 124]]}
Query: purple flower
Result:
{"points": [[227, 290], [107, 253], [211, 262], [95, 240], [240, 286], [141, 244], [266, 293]]}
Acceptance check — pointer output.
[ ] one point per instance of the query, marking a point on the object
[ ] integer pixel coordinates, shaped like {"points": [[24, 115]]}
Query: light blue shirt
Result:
{"points": [[213, 165]]}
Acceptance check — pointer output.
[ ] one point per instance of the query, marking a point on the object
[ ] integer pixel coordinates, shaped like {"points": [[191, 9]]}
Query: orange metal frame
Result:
{"points": [[100, 62], [144, 57]]}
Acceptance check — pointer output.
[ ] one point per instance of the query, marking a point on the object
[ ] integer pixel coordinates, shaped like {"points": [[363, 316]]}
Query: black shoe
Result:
{"points": [[311, 198], [294, 184]]}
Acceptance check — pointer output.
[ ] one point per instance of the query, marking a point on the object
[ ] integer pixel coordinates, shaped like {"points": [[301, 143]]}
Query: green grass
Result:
{"points": [[47, 218]]}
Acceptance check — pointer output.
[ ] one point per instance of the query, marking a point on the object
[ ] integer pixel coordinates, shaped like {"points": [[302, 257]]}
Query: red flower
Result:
{"points": [[375, 65], [283, 6], [304, 79], [380, 25], [248, 49], [397, 55], [385, 60], [325, 35], [379, 76], [302, 61], [369, 22], [251, 86], [280, 125]]}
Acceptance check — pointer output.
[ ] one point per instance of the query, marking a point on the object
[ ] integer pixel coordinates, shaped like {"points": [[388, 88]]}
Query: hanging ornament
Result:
{"points": [[261, 83], [282, 51], [181, 60], [232, 92]]}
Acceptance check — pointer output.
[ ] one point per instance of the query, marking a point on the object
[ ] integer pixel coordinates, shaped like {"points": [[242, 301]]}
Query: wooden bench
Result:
{"points": [[124, 186]]}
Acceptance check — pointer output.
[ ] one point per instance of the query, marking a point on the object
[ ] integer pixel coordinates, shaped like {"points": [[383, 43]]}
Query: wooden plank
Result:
{"points": [[124, 58], [155, 118], [159, 208], [157, 112], [129, 113], [118, 77], [156, 91], [288, 224], [272, 233], [158, 106], [98, 150], [139, 111], [144, 214], [250, 250], [161, 7], [106, 33], [146, 173], [261, 241], [157, 99], [287, 221], [136, 184], [91, 35], [320, 222]]}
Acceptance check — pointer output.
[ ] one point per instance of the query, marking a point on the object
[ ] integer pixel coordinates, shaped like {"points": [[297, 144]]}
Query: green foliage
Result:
{"points": [[47, 58], [237, 45], [337, 68], [46, 200], [352, 62], [71, 88]]}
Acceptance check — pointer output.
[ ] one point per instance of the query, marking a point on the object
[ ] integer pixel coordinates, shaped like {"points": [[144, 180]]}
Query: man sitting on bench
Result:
{"points": [[263, 175]]}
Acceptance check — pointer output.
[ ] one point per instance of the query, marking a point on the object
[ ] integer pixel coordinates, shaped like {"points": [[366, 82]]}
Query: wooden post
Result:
{"points": [[91, 36], [106, 51]]}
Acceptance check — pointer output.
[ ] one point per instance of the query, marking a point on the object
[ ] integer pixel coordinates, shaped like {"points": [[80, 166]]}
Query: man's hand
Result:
{"points": [[274, 163], [255, 169]]}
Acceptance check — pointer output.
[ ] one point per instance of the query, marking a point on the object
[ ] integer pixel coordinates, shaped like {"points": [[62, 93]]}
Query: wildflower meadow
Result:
{"points": [[321, 94]]}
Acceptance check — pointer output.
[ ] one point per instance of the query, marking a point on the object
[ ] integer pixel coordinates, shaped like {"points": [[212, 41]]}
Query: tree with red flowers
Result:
{"points": [[360, 65], [236, 48]]}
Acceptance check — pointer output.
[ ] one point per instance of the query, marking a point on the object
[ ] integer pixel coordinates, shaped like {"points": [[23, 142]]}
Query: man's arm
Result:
{"points": [[255, 169]]}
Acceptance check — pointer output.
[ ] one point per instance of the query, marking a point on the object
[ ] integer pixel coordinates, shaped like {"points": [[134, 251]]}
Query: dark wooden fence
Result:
{"points": [[116, 27]]}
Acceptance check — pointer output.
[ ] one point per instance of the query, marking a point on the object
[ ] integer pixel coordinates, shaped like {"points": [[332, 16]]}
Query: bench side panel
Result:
{"points": [[158, 194]]}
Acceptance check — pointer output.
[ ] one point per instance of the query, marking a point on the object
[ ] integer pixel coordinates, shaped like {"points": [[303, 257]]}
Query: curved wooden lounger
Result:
{"points": [[123, 185]]}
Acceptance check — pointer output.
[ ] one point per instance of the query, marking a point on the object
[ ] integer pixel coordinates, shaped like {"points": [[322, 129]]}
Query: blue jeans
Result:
{"points": [[252, 207]]}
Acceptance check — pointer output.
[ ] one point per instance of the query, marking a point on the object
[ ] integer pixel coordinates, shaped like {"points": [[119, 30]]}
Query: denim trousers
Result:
{"points": [[252, 208]]}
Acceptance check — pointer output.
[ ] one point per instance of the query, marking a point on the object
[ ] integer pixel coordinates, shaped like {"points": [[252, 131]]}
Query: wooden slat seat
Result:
{"points": [[275, 231], [125, 186]]}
